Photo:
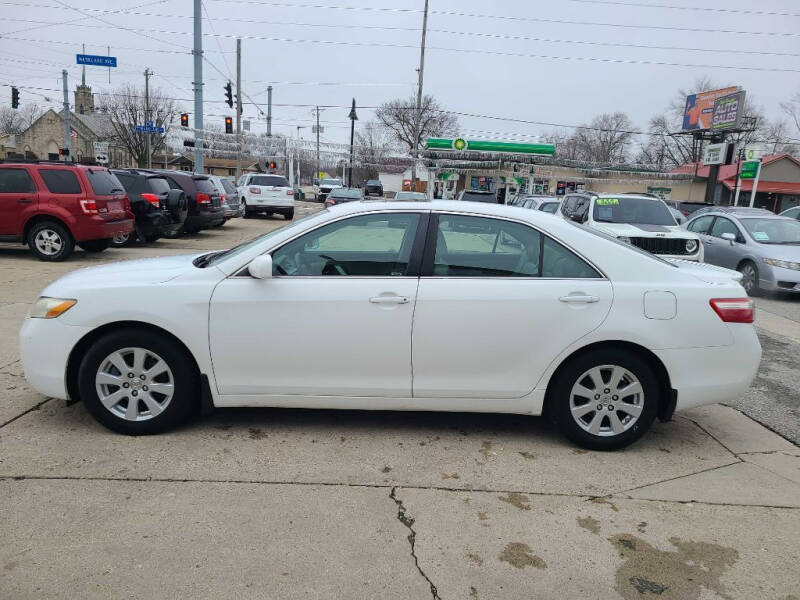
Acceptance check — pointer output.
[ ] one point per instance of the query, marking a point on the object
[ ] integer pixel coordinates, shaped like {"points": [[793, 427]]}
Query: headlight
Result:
{"points": [[50, 308], [691, 246], [784, 264], [625, 239]]}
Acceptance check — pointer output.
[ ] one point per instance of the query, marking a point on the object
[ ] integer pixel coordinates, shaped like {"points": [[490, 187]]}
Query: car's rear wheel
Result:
{"points": [[122, 239], [137, 383], [289, 215], [605, 400], [749, 273], [245, 214], [50, 241]]}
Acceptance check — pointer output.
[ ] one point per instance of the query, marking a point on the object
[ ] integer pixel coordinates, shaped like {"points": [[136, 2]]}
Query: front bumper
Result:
{"points": [[778, 279], [44, 348]]}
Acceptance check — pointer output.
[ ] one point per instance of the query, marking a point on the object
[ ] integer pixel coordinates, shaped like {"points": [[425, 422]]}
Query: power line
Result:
{"points": [[732, 11]]}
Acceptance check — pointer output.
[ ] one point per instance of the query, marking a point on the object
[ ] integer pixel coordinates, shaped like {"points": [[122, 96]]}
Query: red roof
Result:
{"points": [[769, 187], [729, 171]]}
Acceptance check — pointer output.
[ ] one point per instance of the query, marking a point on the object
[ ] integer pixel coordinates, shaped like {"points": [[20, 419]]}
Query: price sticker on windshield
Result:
{"points": [[608, 201]]}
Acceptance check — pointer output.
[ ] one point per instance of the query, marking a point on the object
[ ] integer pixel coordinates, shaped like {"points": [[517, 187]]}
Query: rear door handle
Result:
{"points": [[579, 299], [389, 300], [25, 201]]}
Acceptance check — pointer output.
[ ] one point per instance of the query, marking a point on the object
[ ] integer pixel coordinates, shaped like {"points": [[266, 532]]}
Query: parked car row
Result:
{"points": [[53, 206]]}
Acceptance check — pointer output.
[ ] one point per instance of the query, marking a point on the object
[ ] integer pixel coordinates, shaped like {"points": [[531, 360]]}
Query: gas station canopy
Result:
{"points": [[462, 145]]}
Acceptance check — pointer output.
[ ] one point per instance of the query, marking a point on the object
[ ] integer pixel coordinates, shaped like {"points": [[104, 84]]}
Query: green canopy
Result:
{"points": [[461, 144]]}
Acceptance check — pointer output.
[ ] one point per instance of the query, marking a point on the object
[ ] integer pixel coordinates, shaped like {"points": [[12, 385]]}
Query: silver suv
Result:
{"points": [[762, 246]]}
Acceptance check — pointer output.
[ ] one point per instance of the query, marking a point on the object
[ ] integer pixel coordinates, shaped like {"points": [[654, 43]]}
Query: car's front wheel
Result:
{"points": [[605, 400], [749, 273], [137, 382]]}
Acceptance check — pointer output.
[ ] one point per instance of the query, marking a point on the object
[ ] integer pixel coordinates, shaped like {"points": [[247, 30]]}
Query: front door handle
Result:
{"points": [[389, 300], [579, 299]]}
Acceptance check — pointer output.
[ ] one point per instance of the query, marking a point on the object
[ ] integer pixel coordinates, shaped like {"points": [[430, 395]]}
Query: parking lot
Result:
{"points": [[279, 503]]}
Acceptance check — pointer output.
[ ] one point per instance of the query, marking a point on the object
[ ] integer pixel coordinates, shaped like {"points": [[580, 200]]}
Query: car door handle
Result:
{"points": [[389, 300], [25, 201], [579, 299]]}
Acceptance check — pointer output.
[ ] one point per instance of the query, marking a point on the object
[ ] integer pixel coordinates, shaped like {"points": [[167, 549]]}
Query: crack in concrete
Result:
{"points": [[639, 487], [376, 486], [709, 434], [22, 414], [412, 537]]}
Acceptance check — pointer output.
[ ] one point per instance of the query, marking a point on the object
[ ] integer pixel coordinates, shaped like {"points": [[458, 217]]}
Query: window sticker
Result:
{"points": [[761, 236], [608, 201], [605, 213]]}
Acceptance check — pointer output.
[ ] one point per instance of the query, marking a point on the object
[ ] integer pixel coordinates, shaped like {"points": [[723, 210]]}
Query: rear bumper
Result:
{"points": [[263, 208], [716, 374], [95, 228], [204, 219], [44, 348]]}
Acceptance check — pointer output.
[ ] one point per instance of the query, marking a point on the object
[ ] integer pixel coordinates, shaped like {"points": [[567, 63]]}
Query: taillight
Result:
{"points": [[255, 190], [203, 198], [223, 198], [152, 199], [290, 192], [331, 201], [734, 310], [89, 207]]}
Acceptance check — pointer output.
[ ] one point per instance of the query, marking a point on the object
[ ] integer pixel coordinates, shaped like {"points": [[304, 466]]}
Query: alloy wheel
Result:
{"points": [[606, 400], [134, 384], [121, 239], [748, 278], [48, 242]]}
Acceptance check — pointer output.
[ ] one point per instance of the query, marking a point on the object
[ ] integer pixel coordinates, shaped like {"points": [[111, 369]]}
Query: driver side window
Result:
{"points": [[375, 245]]}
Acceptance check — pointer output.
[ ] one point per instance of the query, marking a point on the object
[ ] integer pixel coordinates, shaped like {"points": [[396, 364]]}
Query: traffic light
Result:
{"points": [[184, 119], [273, 165], [229, 95], [14, 97], [63, 151], [228, 125]]}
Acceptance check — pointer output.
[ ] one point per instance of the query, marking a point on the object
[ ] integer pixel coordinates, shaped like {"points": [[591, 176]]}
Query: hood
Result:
{"points": [[706, 272], [126, 272], [644, 230], [788, 252]]}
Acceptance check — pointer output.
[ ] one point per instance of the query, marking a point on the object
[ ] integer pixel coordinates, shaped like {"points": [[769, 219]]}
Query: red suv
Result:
{"points": [[52, 206]]}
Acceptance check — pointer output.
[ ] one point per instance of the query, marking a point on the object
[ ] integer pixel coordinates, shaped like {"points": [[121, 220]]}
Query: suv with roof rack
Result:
{"points": [[52, 206], [641, 220]]}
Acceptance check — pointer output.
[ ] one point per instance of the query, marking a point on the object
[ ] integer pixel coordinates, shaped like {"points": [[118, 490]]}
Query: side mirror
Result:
{"points": [[730, 237], [261, 267]]}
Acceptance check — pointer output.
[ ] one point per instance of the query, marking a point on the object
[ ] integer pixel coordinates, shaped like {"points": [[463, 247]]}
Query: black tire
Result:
{"points": [[245, 214], [749, 272], [174, 234], [572, 374], [122, 240], [54, 231], [221, 224], [180, 363], [191, 230], [289, 215], [95, 245], [149, 239]]}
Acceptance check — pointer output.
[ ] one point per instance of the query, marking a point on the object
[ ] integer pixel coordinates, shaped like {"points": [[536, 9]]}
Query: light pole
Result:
{"points": [[353, 118]]}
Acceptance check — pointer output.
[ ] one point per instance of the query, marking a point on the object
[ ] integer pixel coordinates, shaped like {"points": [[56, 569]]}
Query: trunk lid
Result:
{"points": [[706, 272]]}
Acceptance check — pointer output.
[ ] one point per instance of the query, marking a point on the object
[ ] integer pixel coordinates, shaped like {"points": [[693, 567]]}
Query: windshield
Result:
{"points": [[330, 182], [373, 182], [213, 258], [773, 231], [270, 180], [414, 196], [353, 194], [549, 207], [641, 211], [229, 187]]}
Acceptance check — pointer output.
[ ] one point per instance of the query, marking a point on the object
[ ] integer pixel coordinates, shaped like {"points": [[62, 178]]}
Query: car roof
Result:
{"points": [[736, 211]]}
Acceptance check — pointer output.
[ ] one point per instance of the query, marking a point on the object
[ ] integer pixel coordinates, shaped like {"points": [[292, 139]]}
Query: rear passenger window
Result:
{"points": [[104, 183], [701, 225], [485, 247], [158, 185], [205, 186], [60, 181], [15, 181]]}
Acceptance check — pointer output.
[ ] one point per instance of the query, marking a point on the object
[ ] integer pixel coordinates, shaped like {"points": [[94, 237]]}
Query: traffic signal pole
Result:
{"points": [[147, 73], [238, 108], [198, 86], [67, 130]]}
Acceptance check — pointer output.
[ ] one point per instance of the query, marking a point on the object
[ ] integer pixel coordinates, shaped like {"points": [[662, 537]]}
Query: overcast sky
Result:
{"points": [[373, 55]]}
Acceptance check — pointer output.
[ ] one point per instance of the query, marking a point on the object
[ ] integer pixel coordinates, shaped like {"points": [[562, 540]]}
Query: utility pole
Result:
{"points": [[269, 111], [238, 108], [147, 73], [316, 172], [198, 86], [67, 130], [418, 118]]}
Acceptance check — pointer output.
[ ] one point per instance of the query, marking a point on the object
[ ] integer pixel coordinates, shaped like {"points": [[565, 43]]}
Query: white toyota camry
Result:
{"points": [[449, 306]]}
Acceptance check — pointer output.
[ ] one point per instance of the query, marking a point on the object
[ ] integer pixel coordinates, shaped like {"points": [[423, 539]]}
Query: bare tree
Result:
{"points": [[410, 126], [372, 145], [17, 121], [792, 110], [604, 140], [125, 107]]}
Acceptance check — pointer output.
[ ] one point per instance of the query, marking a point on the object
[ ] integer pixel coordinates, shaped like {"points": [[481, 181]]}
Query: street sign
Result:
{"points": [[715, 154], [750, 169], [148, 129], [96, 61], [315, 129], [101, 152]]}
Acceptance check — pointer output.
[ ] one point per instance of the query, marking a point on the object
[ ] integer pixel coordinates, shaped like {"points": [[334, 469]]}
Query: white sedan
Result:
{"points": [[449, 306]]}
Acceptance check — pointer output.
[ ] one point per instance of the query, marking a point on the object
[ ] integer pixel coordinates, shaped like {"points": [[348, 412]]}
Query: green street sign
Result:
{"points": [[750, 169]]}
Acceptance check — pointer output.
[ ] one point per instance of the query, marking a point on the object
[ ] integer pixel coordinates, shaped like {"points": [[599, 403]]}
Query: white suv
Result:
{"points": [[269, 194], [323, 187], [637, 219]]}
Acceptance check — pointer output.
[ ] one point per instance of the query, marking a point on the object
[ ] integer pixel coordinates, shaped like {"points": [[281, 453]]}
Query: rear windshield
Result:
{"points": [[271, 180], [330, 182], [205, 185], [60, 181], [475, 197], [373, 182], [228, 186], [158, 185], [352, 194], [104, 183]]}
